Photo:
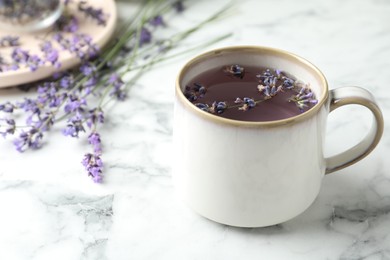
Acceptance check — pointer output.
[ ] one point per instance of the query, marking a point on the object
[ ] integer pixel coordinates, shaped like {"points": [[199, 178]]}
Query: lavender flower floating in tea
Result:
{"points": [[264, 94]]}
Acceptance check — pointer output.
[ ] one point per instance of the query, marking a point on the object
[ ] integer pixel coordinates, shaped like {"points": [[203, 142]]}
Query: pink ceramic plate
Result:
{"points": [[31, 42]]}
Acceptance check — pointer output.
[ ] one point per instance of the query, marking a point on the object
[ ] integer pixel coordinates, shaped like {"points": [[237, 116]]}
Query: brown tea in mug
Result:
{"points": [[249, 93]]}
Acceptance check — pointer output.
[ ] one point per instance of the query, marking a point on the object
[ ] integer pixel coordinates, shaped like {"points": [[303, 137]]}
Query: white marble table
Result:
{"points": [[51, 210]]}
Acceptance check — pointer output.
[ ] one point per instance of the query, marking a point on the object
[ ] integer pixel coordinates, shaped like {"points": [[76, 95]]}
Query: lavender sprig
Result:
{"points": [[94, 166], [94, 13], [304, 97], [92, 161], [78, 98]]}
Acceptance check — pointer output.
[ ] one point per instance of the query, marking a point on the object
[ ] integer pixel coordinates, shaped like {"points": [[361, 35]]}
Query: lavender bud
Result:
{"points": [[249, 102], [236, 70], [273, 90], [30, 139], [221, 106], [7, 107], [197, 87], [145, 36], [157, 21], [94, 166], [288, 83], [95, 141], [94, 13], [267, 92], [202, 106]]}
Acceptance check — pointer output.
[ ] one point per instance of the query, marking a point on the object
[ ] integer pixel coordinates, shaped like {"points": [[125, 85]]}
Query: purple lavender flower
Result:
{"points": [[278, 73], [235, 70], [57, 100], [9, 128], [76, 42], [92, 51], [79, 44], [65, 96], [267, 78], [43, 123], [157, 21], [190, 95], [66, 81], [47, 88], [94, 140], [250, 102], [20, 56], [221, 107], [115, 80], [65, 43], [194, 92], [203, 107], [7, 107], [215, 108], [58, 37], [94, 117], [51, 54], [87, 69], [304, 97], [30, 139], [264, 89], [145, 36], [288, 83], [94, 13], [94, 166], [75, 104], [218, 107], [247, 103], [34, 62], [199, 88], [67, 23], [72, 26], [74, 127], [49, 95], [30, 105], [89, 84], [117, 84], [13, 67]]}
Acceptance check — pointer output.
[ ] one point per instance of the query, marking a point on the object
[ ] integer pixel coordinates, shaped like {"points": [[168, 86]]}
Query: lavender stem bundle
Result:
{"points": [[75, 100]]}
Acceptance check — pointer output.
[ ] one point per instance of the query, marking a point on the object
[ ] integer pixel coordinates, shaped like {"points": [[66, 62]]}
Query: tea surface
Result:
{"points": [[249, 93]]}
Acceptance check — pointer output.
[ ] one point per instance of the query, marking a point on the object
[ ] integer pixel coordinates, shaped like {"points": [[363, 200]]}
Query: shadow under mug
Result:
{"points": [[256, 174]]}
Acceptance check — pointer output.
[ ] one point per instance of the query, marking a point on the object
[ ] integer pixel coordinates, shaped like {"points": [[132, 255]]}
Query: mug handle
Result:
{"points": [[355, 95]]}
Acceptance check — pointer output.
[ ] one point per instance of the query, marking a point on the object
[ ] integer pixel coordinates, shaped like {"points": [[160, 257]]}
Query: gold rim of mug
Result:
{"points": [[288, 55]]}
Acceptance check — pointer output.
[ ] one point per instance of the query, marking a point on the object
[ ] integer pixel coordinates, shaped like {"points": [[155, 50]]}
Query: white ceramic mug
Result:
{"points": [[255, 174]]}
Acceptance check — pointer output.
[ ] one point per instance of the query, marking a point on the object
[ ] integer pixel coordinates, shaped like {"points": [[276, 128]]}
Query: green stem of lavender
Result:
{"points": [[114, 50]]}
